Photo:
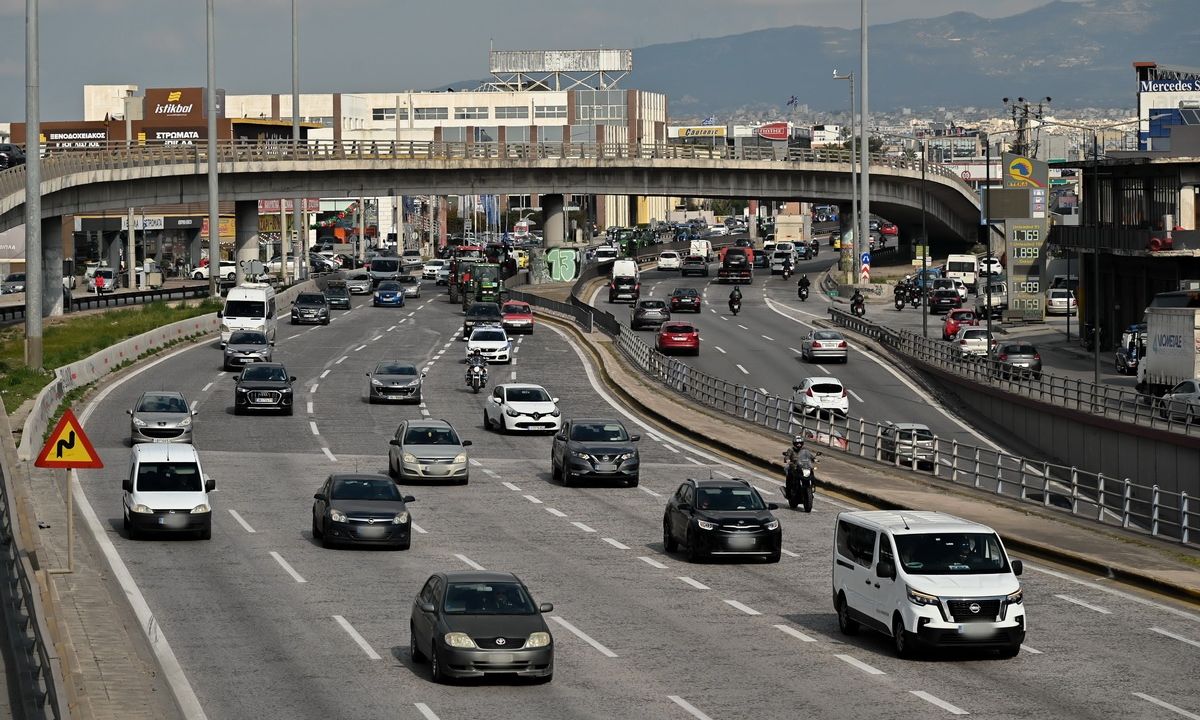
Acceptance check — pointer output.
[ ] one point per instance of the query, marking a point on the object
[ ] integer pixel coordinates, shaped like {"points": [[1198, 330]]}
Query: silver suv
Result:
{"points": [[906, 443]]}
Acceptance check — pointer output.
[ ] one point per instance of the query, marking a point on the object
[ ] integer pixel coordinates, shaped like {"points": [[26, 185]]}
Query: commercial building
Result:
{"points": [[1168, 100]]}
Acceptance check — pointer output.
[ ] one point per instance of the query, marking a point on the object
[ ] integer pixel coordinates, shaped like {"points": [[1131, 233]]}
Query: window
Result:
{"points": [[430, 113], [583, 133], [168, 477], [512, 112], [470, 113], [516, 134], [454, 134], [385, 113], [550, 134], [549, 111], [486, 134], [856, 542]]}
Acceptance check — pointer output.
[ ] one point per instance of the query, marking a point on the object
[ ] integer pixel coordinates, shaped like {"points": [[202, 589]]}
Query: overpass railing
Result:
{"points": [[1107, 401], [92, 301]]}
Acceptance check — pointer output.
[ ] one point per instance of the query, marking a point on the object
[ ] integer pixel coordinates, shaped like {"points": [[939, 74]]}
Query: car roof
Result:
{"points": [[359, 476], [906, 522], [719, 482], [165, 452], [468, 576], [823, 379], [575, 421], [520, 386], [162, 393], [428, 422], [909, 426]]}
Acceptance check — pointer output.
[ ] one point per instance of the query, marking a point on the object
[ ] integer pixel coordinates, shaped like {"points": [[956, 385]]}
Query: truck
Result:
{"points": [[1172, 349], [701, 247], [737, 265], [484, 285], [796, 229]]}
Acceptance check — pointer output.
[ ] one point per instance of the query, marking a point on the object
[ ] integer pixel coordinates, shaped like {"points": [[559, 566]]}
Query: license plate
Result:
{"points": [[500, 658], [606, 467], [371, 531], [263, 401], [741, 543], [434, 469], [975, 630]]}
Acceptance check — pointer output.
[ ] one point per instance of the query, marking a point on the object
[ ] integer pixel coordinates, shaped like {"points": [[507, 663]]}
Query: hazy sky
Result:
{"points": [[373, 45]]}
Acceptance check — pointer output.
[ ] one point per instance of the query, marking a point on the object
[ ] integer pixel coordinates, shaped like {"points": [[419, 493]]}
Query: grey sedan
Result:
{"points": [[411, 285], [824, 345], [13, 283], [649, 312], [428, 450], [1017, 359], [245, 347], [161, 416], [394, 381], [359, 283]]}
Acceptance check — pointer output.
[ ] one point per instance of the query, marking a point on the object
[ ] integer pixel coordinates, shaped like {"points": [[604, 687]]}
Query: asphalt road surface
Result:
{"points": [[267, 624]]}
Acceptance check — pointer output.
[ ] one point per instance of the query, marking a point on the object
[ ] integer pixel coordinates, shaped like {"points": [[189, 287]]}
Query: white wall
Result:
{"points": [[101, 100]]}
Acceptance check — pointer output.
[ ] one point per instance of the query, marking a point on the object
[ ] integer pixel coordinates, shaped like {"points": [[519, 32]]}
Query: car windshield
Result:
{"points": [[408, 280], [677, 329], [951, 553], [388, 287], [489, 336], [168, 477], [728, 498], [826, 387], [395, 369], [652, 305], [422, 435], [694, 259], [685, 292], [310, 299], [826, 335], [483, 310], [527, 395], [364, 489], [162, 404], [962, 316], [668, 256], [382, 265], [247, 338], [598, 432], [244, 308], [337, 292], [358, 277], [1021, 350], [960, 266], [512, 309], [492, 598], [15, 277], [264, 372]]}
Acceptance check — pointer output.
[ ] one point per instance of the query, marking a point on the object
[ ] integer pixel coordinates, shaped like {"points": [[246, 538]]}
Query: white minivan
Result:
{"points": [[927, 579], [166, 491], [249, 306], [964, 268]]}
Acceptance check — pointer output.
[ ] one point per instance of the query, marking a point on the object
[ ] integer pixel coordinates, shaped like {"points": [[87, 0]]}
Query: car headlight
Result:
{"points": [[555, 413], [414, 383], [773, 525], [401, 518], [242, 390], [582, 455], [295, 311], [337, 515], [409, 458], [201, 509], [143, 509], [512, 413], [460, 458], [1015, 598], [538, 639], [224, 328], [186, 421], [627, 456], [139, 422], [706, 525], [375, 382], [459, 640], [916, 597]]}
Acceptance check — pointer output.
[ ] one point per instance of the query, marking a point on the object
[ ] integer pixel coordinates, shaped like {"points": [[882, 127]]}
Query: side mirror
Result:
{"points": [[127, 486], [553, 400], [772, 506], [236, 378], [272, 343], [684, 507], [422, 374], [195, 413], [367, 374], [561, 436], [634, 438], [1017, 567], [466, 443], [886, 569], [546, 607], [494, 399], [209, 485], [318, 496], [292, 378], [427, 607], [129, 413], [409, 498], [220, 314], [394, 441], [795, 388]]}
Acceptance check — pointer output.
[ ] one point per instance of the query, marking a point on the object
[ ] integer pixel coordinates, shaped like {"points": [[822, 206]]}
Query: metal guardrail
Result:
{"points": [[17, 312], [1102, 400]]}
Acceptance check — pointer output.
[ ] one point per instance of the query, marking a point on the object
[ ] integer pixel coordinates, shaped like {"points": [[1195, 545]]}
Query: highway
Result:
{"points": [[267, 624]]}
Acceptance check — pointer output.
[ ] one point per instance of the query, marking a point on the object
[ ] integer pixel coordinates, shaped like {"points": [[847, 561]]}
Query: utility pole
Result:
{"points": [[297, 226], [214, 207], [1022, 112], [864, 148], [33, 194]]}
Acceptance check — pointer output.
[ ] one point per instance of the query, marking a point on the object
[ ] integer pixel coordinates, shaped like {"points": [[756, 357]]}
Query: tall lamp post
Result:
{"points": [[214, 207], [924, 139], [846, 251]]}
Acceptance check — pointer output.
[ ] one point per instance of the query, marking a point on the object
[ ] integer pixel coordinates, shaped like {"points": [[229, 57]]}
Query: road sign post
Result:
{"points": [[864, 273], [68, 448]]}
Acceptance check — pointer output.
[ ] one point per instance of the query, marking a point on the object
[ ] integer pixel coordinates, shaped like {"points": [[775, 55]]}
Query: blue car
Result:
{"points": [[388, 293]]}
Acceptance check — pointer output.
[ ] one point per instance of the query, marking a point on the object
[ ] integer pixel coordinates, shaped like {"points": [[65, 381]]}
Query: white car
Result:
{"points": [[718, 230], [103, 280], [228, 271], [972, 341], [668, 260], [820, 395], [429, 270], [492, 343], [443, 275], [990, 265], [951, 284], [1060, 301], [1182, 402], [518, 406]]}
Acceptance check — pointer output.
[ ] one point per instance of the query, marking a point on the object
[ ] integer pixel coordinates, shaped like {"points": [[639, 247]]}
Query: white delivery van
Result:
{"points": [[963, 267], [249, 306], [926, 579], [166, 491]]}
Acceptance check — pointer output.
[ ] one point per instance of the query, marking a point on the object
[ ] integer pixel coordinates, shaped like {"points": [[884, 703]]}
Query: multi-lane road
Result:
{"points": [[265, 623]]}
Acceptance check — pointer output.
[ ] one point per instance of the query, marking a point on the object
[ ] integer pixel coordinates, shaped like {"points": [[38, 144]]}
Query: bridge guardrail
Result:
{"points": [[17, 312]]}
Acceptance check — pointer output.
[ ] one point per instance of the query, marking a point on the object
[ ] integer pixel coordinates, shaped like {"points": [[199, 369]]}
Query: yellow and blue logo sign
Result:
{"points": [[1021, 173]]}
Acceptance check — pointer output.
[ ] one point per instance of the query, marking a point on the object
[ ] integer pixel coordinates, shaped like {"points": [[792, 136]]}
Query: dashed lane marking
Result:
{"points": [[789, 553], [933, 700], [533, 500], [720, 349], [469, 562], [245, 525], [418, 529], [309, 408], [581, 526], [341, 360], [789, 630], [744, 370], [855, 662], [1167, 706], [313, 424], [426, 712], [693, 460], [510, 486], [325, 374], [694, 583], [648, 491], [1089, 606], [329, 454], [743, 607], [360, 347], [1173, 636], [617, 544], [205, 388], [556, 512], [768, 337], [652, 562], [358, 639], [584, 637], [690, 708], [287, 568]]}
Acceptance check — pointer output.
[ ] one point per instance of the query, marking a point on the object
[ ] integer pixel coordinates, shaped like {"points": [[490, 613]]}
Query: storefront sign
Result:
{"points": [[143, 222], [773, 131], [174, 104], [272, 206], [183, 223], [227, 228], [699, 131], [172, 136], [69, 138], [1192, 85]]}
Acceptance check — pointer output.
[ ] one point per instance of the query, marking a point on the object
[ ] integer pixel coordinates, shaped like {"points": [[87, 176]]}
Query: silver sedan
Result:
{"points": [[394, 381], [824, 345], [411, 285], [161, 416]]}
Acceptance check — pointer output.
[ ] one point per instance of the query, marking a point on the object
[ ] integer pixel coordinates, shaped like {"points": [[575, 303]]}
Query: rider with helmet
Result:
{"points": [[735, 296], [803, 282], [799, 455]]}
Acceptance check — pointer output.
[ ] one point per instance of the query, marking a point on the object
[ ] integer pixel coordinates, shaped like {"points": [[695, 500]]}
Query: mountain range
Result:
{"points": [[1079, 53]]}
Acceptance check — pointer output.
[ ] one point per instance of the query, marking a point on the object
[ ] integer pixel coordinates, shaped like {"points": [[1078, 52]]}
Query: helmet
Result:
{"points": [[476, 351], [798, 442]]}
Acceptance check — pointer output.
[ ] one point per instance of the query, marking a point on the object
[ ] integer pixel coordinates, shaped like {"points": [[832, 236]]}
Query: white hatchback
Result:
{"points": [[972, 341], [1060, 301], [429, 270], [520, 406], [668, 260], [820, 395], [492, 343]]}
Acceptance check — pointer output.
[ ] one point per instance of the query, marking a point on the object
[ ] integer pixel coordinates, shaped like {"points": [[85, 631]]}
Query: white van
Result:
{"points": [[926, 579], [249, 306], [166, 491], [963, 267]]}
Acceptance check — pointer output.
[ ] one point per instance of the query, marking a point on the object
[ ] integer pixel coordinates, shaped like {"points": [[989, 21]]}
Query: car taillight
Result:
{"points": [[842, 344], [637, 286], [962, 342], [843, 392], [1036, 356], [612, 286], [1003, 356], [816, 344], [808, 392]]}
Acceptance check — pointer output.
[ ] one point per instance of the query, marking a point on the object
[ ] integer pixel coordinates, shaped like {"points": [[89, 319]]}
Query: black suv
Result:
{"points": [[11, 155], [685, 299], [624, 288], [338, 295], [310, 307], [263, 386], [482, 314], [721, 517], [595, 449]]}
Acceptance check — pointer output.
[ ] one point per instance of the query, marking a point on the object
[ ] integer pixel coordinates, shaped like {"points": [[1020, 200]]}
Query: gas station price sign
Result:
{"points": [[1026, 247]]}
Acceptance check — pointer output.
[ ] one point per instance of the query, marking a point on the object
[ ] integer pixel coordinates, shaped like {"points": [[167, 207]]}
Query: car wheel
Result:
{"points": [[231, 276], [414, 652], [632, 483], [206, 533], [435, 666], [237, 410], [404, 545], [1010, 652], [900, 640], [326, 541], [669, 544], [316, 528], [487, 423], [846, 624], [289, 410], [773, 557], [693, 549]]}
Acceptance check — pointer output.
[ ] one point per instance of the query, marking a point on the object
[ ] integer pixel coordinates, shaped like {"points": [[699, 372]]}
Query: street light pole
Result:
{"points": [[864, 148], [986, 224], [214, 207], [847, 252], [1095, 300], [34, 276], [301, 232], [924, 239]]}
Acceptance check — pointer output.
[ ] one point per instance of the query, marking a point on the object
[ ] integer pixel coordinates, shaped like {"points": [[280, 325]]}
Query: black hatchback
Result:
{"points": [[310, 307], [721, 518], [482, 314], [944, 301], [338, 295], [361, 509]]}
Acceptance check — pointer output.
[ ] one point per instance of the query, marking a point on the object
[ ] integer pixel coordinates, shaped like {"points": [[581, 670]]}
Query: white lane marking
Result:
{"points": [[723, 318], [391, 328], [584, 636], [510, 486], [694, 583], [744, 370], [205, 388], [580, 525], [533, 500], [513, 375], [720, 349], [414, 312], [287, 568], [823, 369], [789, 553], [328, 454], [743, 607], [854, 395], [341, 360], [424, 412], [795, 351], [325, 374], [222, 374], [418, 529], [313, 424], [859, 664], [788, 629], [617, 544], [763, 490], [1167, 706], [652, 562], [516, 350], [690, 708], [489, 472], [194, 404], [475, 462], [448, 344], [722, 474], [1031, 651], [693, 460], [670, 447], [1089, 606], [1158, 630], [469, 562], [358, 639], [360, 347], [375, 338], [764, 391], [245, 525], [768, 337], [647, 490], [1118, 593], [426, 712], [309, 408], [952, 709], [314, 387], [555, 512]]}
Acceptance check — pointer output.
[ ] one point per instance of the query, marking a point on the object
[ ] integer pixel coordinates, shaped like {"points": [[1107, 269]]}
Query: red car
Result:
{"points": [[888, 228], [956, 319], [517, 317], [685, 299], [678, 336]]}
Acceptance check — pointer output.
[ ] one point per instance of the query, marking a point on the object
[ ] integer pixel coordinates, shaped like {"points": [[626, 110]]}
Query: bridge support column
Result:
{"points": [[52, 266], [194, 249], [553, 220], [753, 221], [112, 251], [245, 213]]}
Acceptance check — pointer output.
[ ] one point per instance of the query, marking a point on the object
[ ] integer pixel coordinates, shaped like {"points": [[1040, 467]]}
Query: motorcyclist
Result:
{"points": [[476, 360], [798, 456], [857, 298], [803, 282], [735, 296]]}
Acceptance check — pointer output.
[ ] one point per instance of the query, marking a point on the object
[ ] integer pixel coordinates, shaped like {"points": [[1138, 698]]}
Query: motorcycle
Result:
{"points": [[901, 300], [802, 292], [815, 247], [477, 377], [787, 272], [735, 306], [858, 308], [799, 485], [914, 298]]}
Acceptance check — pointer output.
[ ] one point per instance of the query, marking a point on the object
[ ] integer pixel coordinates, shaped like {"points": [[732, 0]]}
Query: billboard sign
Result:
{"points": [[1019, 171], [172, 135], [74, 138], [773, 131], [695, 131], [173, 104], [1025, 253]]}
